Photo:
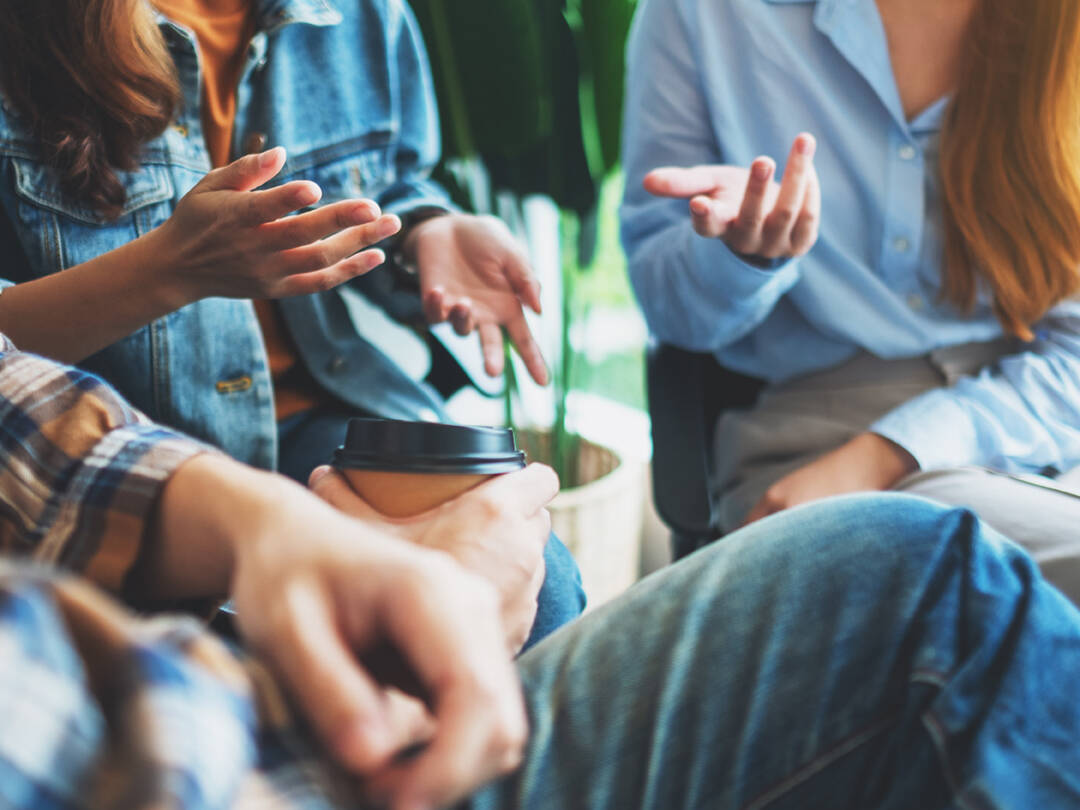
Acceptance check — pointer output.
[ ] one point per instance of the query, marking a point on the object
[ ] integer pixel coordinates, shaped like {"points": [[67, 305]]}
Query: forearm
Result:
{"points": [[209, 505], [72, 314]]}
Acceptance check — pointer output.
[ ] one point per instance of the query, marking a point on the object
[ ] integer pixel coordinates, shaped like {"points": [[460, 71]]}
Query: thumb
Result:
{"points": [[331, 486], [245, 173]]}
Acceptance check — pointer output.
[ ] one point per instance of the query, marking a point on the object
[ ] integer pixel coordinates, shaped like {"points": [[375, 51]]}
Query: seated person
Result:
{"points": [[115, 115], [864, 652], [910, 314]]}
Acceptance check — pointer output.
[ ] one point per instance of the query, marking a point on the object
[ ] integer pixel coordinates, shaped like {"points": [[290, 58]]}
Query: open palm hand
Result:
{"points": [[475, 275]]}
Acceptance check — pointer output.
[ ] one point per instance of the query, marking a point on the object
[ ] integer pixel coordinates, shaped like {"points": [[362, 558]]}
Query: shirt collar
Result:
{"points": [[854, 27]]}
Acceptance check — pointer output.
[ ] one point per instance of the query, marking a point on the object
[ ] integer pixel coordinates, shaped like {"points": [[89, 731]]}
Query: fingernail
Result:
{"points": [[761, 170], [388, 225], [267, 158], [363, 745], [699, 207], [318, 474], [807, 145], [308, 194]]}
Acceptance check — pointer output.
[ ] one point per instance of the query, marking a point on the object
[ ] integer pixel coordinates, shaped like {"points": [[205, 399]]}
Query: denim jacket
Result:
{"points": [[345, 87]]}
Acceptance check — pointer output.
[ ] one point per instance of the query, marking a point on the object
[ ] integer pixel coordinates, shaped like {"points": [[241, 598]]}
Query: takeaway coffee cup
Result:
{"points": [[405, 468]]}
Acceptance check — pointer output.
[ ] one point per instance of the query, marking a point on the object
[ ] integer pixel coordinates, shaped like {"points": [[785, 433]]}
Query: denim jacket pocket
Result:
{"points": [[361, 167], [65, 231]]}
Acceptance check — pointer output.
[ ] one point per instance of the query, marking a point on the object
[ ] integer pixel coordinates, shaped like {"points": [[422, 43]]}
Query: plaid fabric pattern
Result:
{"points": [[80, 469], [105, 711]]}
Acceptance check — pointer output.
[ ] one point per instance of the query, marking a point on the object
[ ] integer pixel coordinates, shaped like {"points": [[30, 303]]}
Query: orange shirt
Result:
{"points": [[223, 29]]}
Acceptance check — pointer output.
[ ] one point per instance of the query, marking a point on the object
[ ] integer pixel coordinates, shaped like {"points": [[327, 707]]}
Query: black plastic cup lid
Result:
{"points": [[391, 445]]}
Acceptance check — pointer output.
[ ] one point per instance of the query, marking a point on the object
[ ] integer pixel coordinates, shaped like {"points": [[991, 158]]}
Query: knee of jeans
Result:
{"points": [[905, 529]]}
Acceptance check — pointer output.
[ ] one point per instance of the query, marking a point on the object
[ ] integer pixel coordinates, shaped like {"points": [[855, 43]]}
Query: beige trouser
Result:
{"points": [[799, 420]]}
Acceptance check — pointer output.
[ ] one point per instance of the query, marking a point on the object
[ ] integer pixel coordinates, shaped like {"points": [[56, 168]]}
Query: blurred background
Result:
{"points": [[530, 95]]}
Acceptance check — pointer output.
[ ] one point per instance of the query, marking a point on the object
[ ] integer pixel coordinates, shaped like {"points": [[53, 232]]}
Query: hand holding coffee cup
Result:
{"points": [[462, 490]]}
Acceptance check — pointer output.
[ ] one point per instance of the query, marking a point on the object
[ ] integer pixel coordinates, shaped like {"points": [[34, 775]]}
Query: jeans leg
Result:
{"points": [[309, 439], [561, 598], [865, 652]]}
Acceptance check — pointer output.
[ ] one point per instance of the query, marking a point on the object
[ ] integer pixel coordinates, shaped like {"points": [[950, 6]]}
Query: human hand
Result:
{"points": [[752, 214], [476, 275], [227, 239], [325, 600], [867, 462], [498, 530]]}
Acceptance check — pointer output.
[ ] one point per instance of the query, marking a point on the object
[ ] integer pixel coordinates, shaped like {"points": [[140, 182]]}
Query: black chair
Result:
{"points": [[687, 392]]}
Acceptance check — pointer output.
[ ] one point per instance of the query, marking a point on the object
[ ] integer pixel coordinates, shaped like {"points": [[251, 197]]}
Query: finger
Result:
{"points": [[745, 231], [274, 203], [327, 252], [328, 220], [805, 232], [435, 305], [527, 491], [461, 317], [491, 344], [330, 485], [339, 699], [528, 350], [328, 278], [522, 281], [708, 217], [246, 173], [458, 650], [672, 181], [776, 232]]}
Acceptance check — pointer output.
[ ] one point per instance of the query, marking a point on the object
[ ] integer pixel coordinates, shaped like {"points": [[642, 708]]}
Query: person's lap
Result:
{"points": [[308, 440], [795, 423], [873, 651]]}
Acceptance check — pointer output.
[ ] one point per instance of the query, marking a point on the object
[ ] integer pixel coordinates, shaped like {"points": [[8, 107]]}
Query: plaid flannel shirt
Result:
{"points": [[99, 708]]}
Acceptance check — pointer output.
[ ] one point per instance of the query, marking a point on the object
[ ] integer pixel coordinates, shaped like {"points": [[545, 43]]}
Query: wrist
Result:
{"points": [[891, 461], [166, 278], [413, 226]]}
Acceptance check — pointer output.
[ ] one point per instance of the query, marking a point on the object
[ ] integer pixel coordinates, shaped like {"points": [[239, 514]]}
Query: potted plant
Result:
{"points": [[530, 95]]}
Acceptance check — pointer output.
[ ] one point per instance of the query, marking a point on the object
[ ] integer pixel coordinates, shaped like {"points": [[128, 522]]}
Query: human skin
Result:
{"points": [[225, 239], [350, 615]]}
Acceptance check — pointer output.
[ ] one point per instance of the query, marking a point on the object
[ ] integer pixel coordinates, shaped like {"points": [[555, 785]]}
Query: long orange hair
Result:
{"points": [[94, 81], [1010, 162]]}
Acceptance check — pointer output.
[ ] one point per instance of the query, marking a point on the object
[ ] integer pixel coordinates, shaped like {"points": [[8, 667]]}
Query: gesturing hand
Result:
{"points": [[226, 239], [475, 274], [866, 463], [497, 530], [752, 214]]}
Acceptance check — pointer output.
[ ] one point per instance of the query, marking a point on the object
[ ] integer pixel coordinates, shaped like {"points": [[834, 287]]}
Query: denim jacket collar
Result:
{"points": [[273, 14]]}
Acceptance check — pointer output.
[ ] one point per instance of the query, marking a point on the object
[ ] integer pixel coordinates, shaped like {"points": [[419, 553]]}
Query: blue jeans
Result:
{"points": [[866, 652], [308, 439]]}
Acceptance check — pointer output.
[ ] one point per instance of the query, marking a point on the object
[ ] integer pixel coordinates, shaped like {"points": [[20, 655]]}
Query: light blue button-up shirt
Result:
{"points": [[723, 82]]}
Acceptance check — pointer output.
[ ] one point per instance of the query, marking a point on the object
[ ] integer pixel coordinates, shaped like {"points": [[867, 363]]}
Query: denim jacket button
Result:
{"points": [[255, 142], [336, 365]]}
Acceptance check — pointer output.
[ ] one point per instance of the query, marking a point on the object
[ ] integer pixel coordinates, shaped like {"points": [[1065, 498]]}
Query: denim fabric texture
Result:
{"points": [[874, 651], [309, 439], [345, 87], [869, 653]]}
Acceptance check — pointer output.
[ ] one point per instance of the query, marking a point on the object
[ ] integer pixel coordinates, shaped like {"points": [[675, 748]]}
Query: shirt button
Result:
{"points": [[901, 244], [336, 364], [915, 302], [255, 142], [181, 129], [906, 152]]}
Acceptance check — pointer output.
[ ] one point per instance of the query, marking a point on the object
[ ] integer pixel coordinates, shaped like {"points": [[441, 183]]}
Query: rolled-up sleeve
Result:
{"points": [[80, 469], [1020, 415]]}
